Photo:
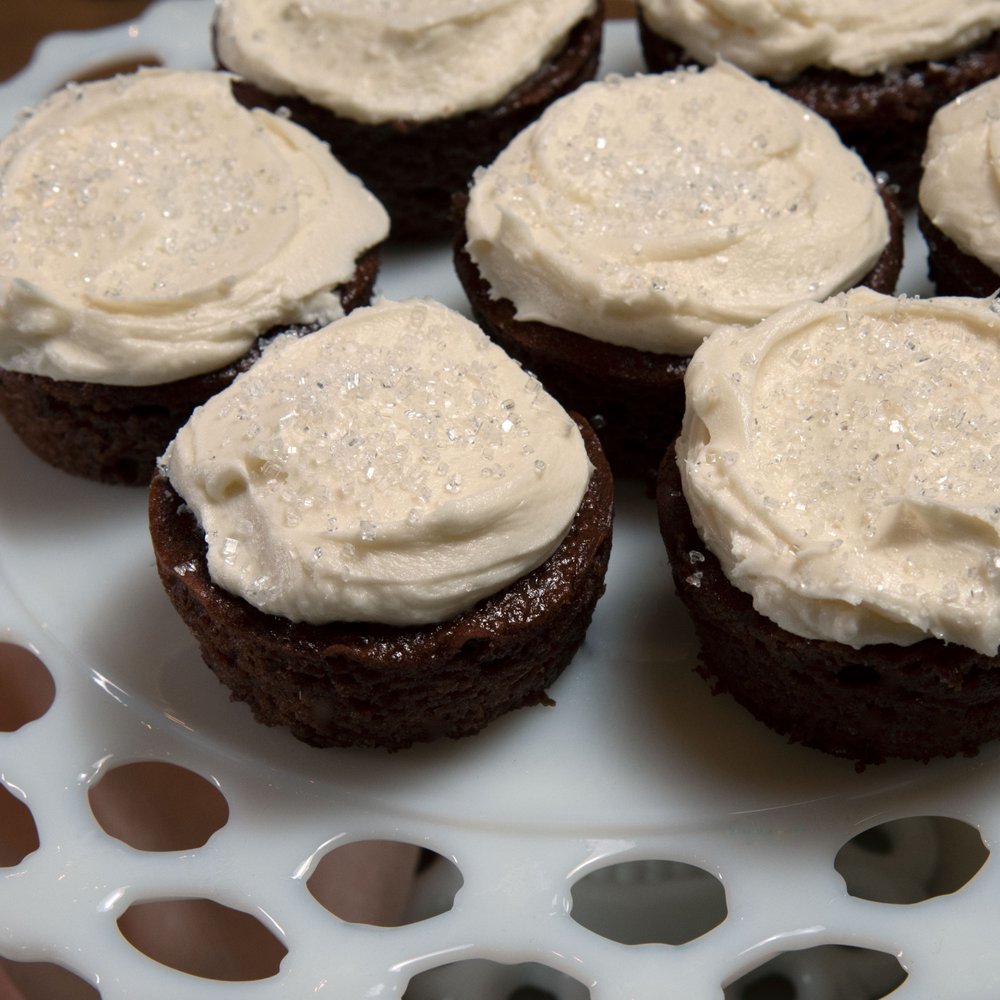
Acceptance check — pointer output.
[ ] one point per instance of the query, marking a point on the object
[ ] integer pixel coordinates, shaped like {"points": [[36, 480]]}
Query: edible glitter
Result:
{"points": [[374, 450], [836, 464], [675, 205]]}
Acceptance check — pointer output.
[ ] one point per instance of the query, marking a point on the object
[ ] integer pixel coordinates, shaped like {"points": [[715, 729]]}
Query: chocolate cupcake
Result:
{"points": [[959, 202], [385, 532], [637, 215], [411, 96], [876, 72], [832, 522], [153, 235]]}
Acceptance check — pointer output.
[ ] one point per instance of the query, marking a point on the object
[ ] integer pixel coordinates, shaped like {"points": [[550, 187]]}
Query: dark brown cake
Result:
{"points": [[882, 116], [929, 699], [415, 167], [953, 271], [115, 433], [365, 685], [634, 399]]}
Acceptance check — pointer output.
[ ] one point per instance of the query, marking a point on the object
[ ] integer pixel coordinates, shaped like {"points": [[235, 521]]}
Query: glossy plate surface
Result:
{"points": [[637, 760]]}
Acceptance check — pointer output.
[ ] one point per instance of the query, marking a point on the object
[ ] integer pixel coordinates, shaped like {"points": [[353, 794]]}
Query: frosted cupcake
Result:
{"points": [[876, 71], [412, 95], [152, 231], [959, 195], [833, 526], [385, 532], [637, 215]]}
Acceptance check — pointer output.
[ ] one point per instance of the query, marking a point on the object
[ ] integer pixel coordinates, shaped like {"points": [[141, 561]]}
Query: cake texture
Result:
{"points": [[831, 520], [959, 200], [877, 72], [637, 215], [413, 549], [411, 95], [154, 234]]}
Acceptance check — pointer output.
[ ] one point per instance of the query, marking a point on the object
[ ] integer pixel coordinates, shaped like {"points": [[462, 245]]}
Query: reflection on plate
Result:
{"points": [[636, 762]]}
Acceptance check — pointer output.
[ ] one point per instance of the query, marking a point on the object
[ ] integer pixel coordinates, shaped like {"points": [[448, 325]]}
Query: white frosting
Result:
{"points": [[647, 211], [378, 60], [394, 467], [152, 229], [960, 185], [841, 461], [779, 38]]}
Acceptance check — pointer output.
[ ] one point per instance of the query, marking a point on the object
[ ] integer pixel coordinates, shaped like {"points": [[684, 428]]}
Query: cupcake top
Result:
{"points": [[394, 467], [647, 211], [151, 229], [960, 185], [378, 60], [841, 461], [778, 38]]}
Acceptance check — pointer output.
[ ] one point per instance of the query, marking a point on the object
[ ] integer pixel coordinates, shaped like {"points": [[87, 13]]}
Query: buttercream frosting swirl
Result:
{"points": [[394, 467], [379, 60], [960, 184], [841, 461], [151, 229], [780, 38], [646, 211]]}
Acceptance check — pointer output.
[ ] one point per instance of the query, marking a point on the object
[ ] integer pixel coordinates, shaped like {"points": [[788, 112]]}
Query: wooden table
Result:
{"points": [[24, 22]]}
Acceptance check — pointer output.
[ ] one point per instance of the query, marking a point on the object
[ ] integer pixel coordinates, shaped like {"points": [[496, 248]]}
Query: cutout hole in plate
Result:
{"points": [[821, 972], [27, 689], [374, 882], [43, 980], [649, 901], [482, 979], [18, 833], [158, 806], [203, 938], [912, 859]]}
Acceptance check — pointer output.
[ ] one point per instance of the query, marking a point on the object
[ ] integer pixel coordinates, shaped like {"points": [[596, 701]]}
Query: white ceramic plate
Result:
{"points": [[637, 760]]}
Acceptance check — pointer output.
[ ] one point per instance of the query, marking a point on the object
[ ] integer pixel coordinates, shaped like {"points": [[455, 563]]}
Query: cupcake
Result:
{"points": [[411, 95], [385, 532], [959, 197], [153, 233], [832, 522], [876, 71], [637, 215]]}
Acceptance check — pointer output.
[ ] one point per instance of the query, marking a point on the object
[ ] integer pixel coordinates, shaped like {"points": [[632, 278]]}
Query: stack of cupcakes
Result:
{"points": [[387, 531]]}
